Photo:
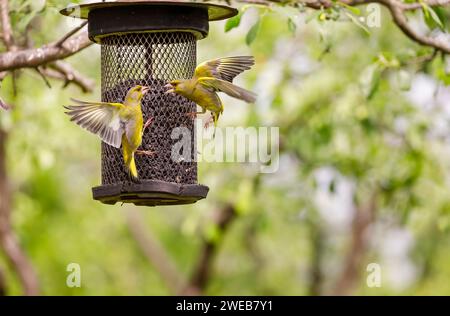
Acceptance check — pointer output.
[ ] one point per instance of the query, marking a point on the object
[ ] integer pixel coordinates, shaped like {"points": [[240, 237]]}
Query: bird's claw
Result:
{"points": [[135, 180], [145, 152], [148, 122], [191, 115], [208, 122], [170, 89]]}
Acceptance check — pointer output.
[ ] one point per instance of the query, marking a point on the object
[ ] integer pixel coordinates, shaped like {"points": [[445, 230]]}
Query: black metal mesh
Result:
{"points": [[150, 59]]}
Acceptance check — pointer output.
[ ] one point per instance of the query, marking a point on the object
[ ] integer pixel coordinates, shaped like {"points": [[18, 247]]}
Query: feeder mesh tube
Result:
{"points": [[150, 59]]}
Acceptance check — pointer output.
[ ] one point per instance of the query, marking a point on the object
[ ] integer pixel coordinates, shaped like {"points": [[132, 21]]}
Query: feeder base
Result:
{"points": [[150, 193]]}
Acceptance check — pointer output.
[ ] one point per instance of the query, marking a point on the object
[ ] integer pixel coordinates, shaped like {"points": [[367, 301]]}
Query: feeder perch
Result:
{"points": [[150, 43]]}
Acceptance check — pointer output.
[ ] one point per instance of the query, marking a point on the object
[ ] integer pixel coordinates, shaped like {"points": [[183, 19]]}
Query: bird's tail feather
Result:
{"points": [[128, 157], [132, 167], [236, 91], [229, 88], [245, 95]]}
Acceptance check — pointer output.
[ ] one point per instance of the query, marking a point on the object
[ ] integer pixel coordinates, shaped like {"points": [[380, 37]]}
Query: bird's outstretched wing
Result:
{"points": [[225, 68], [100, 118], [228, 88]]}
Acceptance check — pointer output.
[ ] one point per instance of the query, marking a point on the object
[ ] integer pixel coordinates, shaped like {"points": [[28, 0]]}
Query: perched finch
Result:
{"points": [[211, 77], [115, 123]]}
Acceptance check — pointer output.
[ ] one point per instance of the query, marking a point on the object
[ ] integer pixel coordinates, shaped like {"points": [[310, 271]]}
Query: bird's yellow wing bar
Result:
{"points": [[225, 68], [100, 118]]}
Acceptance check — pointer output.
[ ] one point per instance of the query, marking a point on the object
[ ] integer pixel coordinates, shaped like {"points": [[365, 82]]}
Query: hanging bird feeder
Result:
{"points": [[149, 43]]}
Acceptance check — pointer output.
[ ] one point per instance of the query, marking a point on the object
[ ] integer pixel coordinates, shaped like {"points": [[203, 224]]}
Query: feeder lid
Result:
{"points": [[215, 11]]}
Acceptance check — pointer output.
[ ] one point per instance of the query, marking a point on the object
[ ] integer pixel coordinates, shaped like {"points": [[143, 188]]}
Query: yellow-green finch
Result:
{"points": [[115, 123], [211, 77]]}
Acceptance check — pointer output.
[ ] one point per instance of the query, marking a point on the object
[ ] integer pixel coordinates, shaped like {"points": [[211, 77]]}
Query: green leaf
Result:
{"points": [[442, 14], [292, 27], [357, 22], [388, 60], [439, 70], [431, 17], [425, 9], [436, 18], [313, 16], [370, 80], [353, 10], [253, 32], [233, 22]]}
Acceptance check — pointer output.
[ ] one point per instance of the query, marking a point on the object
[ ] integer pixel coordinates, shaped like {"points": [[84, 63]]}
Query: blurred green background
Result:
{"points": [[363, 175]]}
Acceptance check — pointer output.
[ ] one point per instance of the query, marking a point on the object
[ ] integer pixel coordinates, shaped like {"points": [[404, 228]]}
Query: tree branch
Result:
{"points": [[6, 25], [66, 72], [396, 8], [363, 218], [2, 283], [32, 58], [155, 253], [8, 240], [159, 258], [324, 4], [398, 15], [317, 238], [418, 5], [202, 271]]}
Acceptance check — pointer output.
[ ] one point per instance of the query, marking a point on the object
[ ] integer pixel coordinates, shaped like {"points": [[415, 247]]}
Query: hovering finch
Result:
{"points": [[115, 123], [211, 77]]}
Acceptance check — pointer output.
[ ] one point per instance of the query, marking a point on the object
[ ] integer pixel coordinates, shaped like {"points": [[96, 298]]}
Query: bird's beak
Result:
{"points": [[145, 90], [170, 87]]}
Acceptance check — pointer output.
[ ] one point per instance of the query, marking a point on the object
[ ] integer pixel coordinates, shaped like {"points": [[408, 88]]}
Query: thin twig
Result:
{"points": [[85, 84], [63, 39], [71, 75], [44, 78], [422, 59], [398, 15]]}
